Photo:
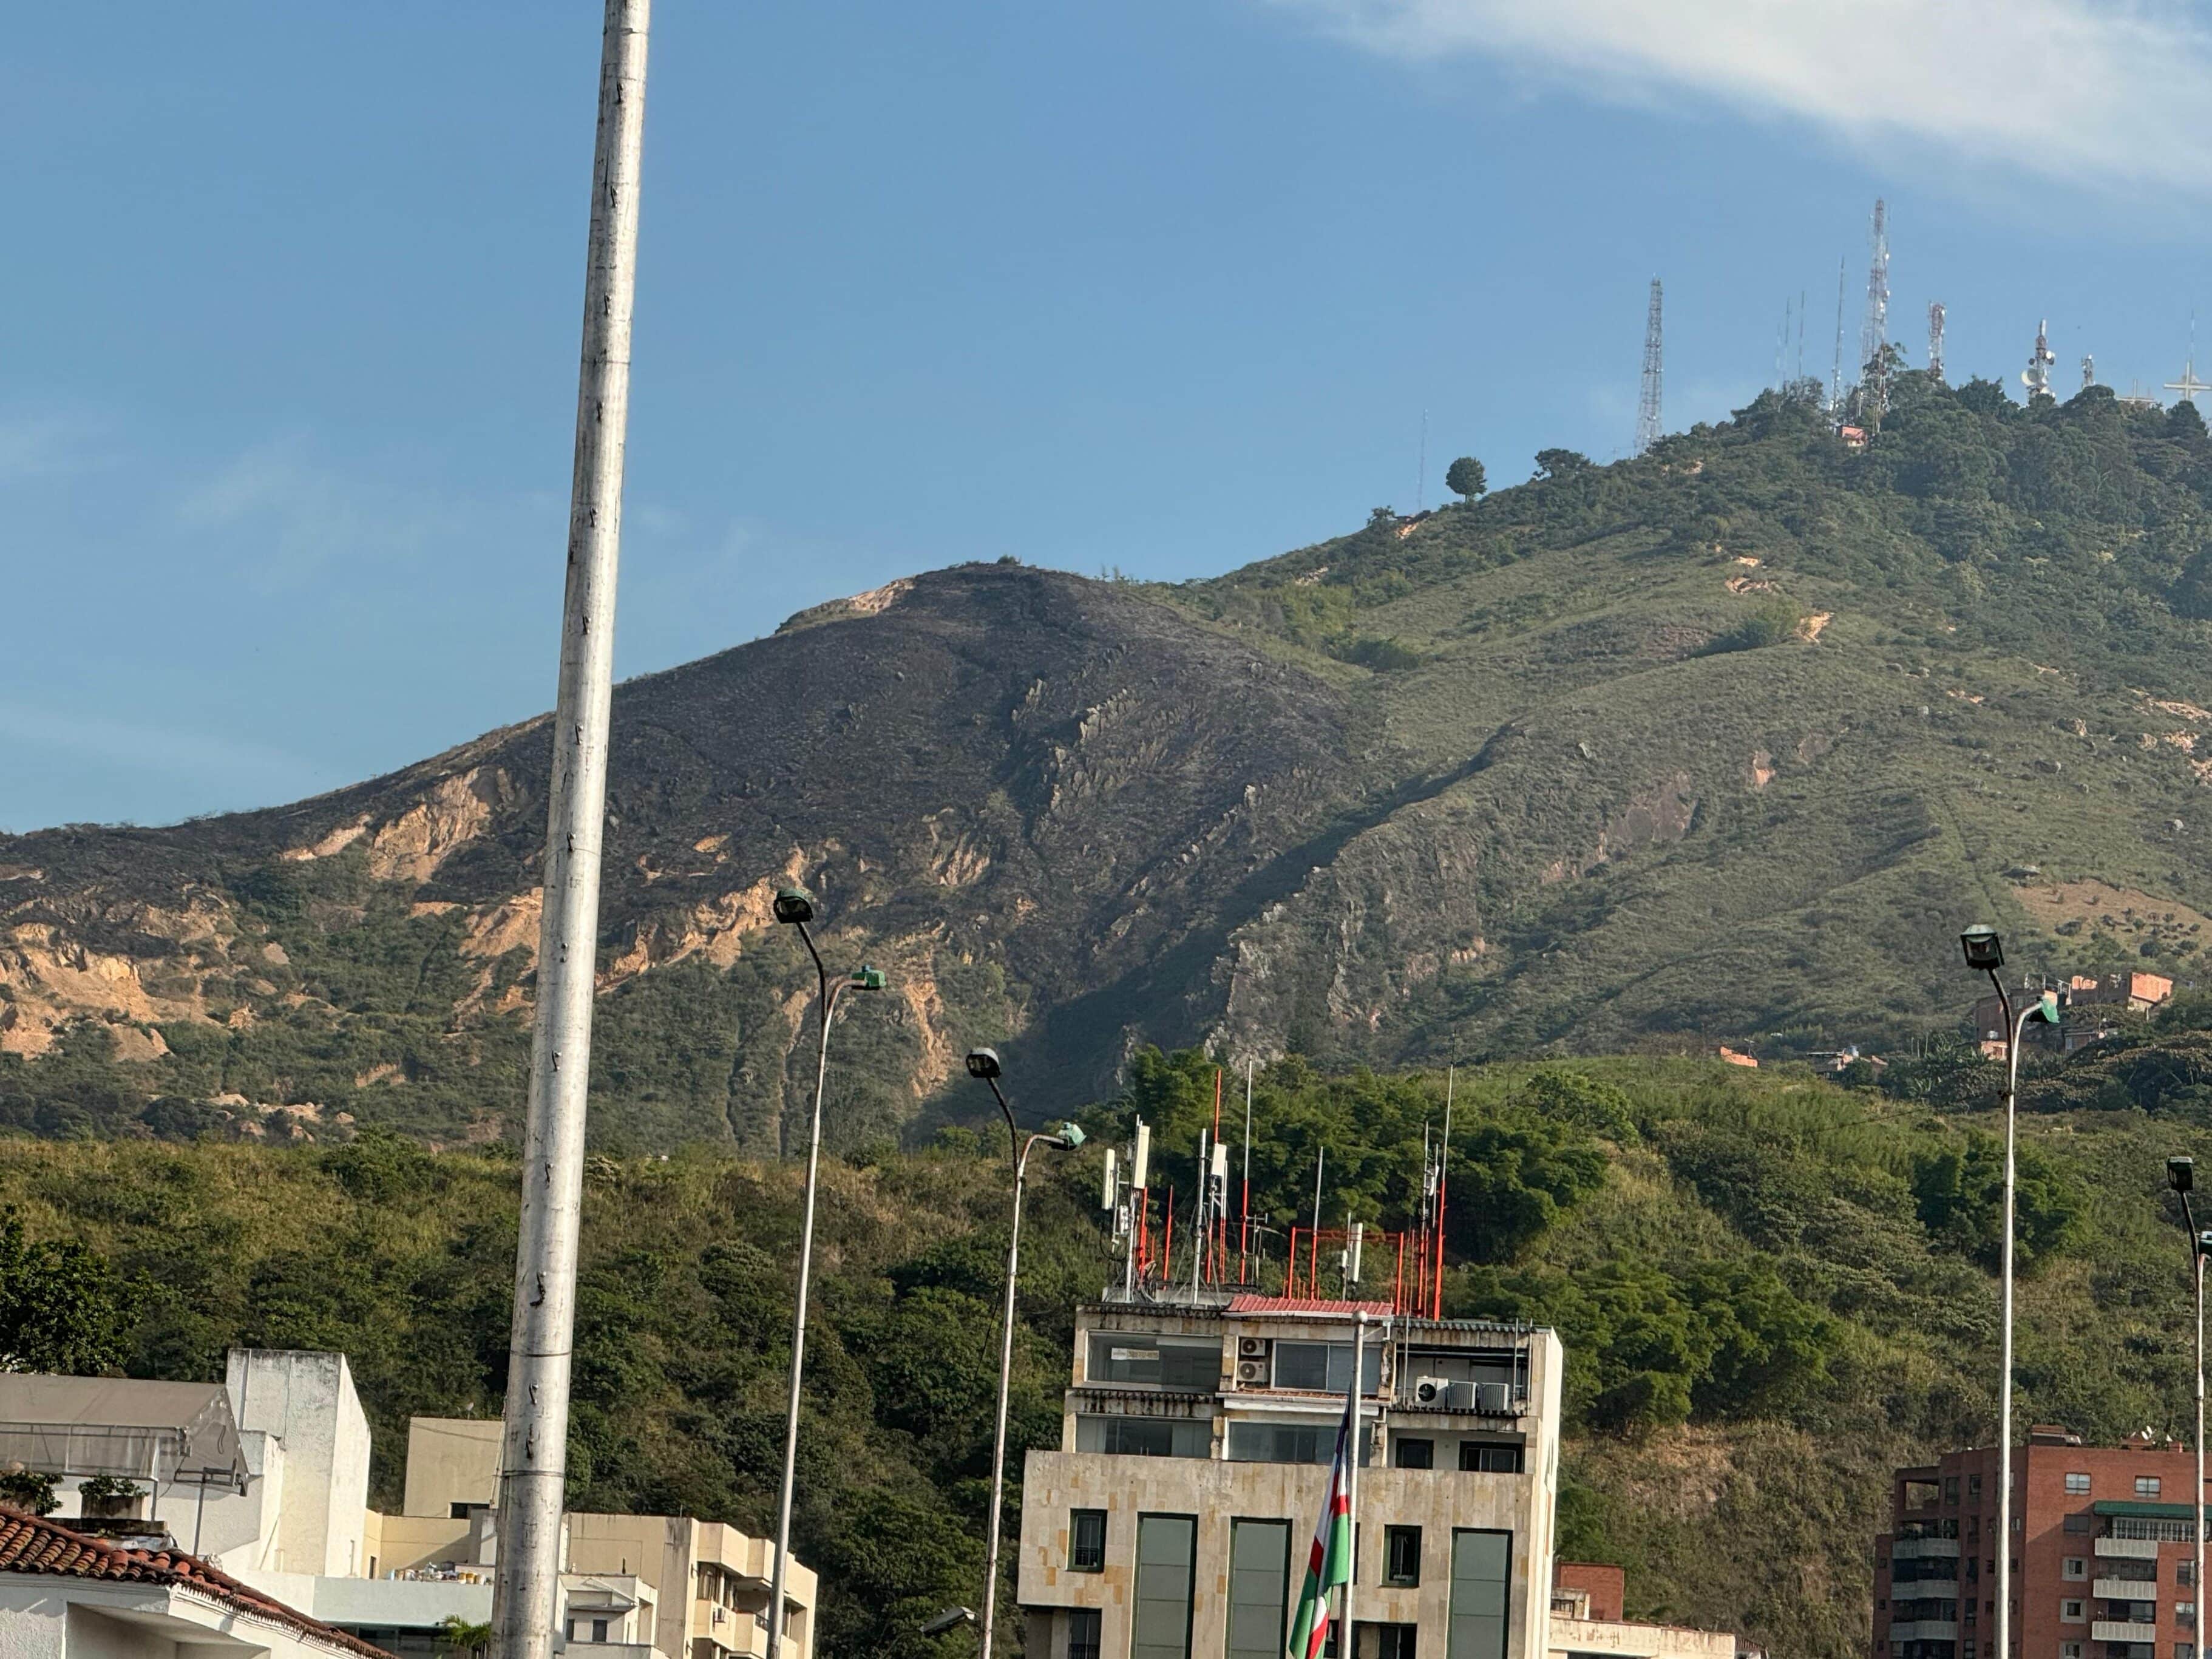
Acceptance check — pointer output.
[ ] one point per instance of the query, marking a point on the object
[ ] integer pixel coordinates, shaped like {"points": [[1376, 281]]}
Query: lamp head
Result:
{"points": [[2045, 1009], [1984, 949], [867, 979], [2181, 1174], [1070, 1136], [983, 1064], [795, 905], [951, 1618], [2205, 1243]]}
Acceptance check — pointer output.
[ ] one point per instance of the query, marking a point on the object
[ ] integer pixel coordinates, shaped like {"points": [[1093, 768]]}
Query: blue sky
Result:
{"points": [[287, 355]]}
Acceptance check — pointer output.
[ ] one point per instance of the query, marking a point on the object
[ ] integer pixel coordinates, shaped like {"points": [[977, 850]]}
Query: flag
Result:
{"points": [[1330, 1562]]}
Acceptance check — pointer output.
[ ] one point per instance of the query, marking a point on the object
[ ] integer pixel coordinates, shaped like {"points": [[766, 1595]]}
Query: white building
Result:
{"points": [[265, 1478]]}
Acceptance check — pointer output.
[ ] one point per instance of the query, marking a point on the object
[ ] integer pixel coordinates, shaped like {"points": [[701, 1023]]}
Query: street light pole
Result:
{"points": [[794, 907], [2180, 1173], [533, 1466], [1985, 952], [983, 1064]]}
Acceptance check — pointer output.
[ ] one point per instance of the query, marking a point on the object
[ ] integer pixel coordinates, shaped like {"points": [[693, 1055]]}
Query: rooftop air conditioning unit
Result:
{"points": [[1495, 1398], [1434, 1391], [1251, 1347], [1252, 1373], [1462, 1397]]}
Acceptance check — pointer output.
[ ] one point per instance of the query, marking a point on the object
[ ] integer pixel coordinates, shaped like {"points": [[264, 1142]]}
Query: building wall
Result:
{"points": [[307, 1400], [2044, 1545], [1606, 1588], [1614, 1639], [451, 1460], [45, 1617]]}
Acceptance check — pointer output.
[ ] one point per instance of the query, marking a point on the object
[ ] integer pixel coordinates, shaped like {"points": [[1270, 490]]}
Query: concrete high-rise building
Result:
{"points": [[1195, 1442]]}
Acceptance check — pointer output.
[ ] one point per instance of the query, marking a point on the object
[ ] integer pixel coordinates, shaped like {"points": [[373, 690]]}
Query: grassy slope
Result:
{"points": [[1668, 839], [1753, 1515]]}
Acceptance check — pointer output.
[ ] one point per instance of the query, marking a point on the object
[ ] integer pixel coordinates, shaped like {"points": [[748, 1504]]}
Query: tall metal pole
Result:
{"points": [[2004, 1363], [2196, 1278], [826, 1002], [1347, 1635], [534, 1448]]}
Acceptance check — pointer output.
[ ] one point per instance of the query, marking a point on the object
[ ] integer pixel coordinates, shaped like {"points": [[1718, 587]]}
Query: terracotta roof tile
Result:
{"points": [[32, 1544]]}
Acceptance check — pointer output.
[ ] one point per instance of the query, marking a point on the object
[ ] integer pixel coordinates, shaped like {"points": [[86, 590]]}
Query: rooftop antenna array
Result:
{"points": [[1936, 341], [2036, 377], [1874, 333], [1646, 407], [2088, 371]]}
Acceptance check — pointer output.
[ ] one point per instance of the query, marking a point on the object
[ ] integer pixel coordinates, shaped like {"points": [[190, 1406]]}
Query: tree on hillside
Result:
{"points": [[61, 1309], [1559, 462], [2183, 421], [1465, 477]]}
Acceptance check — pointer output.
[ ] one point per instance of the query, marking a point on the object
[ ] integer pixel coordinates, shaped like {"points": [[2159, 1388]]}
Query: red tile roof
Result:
{"points": [[32, 1544], [1306, 1304]]}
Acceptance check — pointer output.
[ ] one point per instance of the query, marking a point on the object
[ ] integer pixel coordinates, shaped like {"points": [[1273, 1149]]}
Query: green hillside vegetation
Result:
{"points": [[1722, 742], [1771, 1290]]}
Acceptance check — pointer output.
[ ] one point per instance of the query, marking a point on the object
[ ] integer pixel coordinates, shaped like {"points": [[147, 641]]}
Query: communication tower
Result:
{"points": [[1936, 341], [1874, 333], [2188, 385], [2088, 371], [1647, 408], [2036, 377]]}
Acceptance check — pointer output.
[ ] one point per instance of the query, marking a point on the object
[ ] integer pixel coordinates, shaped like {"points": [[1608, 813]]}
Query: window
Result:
{"points": [[2146, 1485], [572, 1630], [1481, 1565], [1259, 1582], [2184, 1614], [1406, 1453], [598, 1629], [1086, 1540], [1145, 1357], [1488, 1458], [1881, 1606], [1401, 1555], [2078, 1523], [2070, 1611], [1083, 1639], [1167, 1546], [2184, 1651], [2183, 1570], [1326, 1366], [2077, 1485], [1282, 1443], [1146, 1437], [2074, 1566], [2069, 1650], [1950, 1488], [1385, 1642]]}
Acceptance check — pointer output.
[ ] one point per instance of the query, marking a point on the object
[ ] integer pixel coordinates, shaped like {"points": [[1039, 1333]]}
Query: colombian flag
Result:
{"points": [[1330, 1562]]}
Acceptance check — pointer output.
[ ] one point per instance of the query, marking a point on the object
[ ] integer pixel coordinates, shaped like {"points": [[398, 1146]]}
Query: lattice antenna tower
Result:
{"points": [[1647, 408], [1801, 334], [1874, 334], [1936, 341], [1836, 375], [2088, 373]]}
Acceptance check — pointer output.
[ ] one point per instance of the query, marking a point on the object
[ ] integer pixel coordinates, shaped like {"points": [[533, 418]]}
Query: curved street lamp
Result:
{"points": [[794, 907], [2181, 1175], [1984, 952], [983, 1065]]}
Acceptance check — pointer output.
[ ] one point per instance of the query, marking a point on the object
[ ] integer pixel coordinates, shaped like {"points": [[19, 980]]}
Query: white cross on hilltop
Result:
{"points": [[2188, 385]]}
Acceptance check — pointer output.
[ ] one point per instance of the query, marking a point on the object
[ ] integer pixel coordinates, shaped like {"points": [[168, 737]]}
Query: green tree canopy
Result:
{"points": [[61, 1306], [1465, 477]]}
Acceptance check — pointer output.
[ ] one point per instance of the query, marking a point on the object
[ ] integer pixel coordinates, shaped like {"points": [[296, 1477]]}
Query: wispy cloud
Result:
{"points": [[50, 445], [2090, 90], [290, 515]]}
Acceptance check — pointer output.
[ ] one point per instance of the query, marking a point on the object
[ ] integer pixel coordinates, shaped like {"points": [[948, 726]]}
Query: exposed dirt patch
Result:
{"points": [[2099, 904], [459, 809], [336, 842]]}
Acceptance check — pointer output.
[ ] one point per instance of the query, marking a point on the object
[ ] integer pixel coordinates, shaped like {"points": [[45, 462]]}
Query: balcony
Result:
{"points": [[2116, 1629], [2125, 1589], [1925, 1630], [2129, 1549], [729, 1630], [1923, 1549]]}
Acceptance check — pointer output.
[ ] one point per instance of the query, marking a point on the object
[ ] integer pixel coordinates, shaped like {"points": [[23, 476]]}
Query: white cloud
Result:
{"points": [[49, 446], [2091, 90]]}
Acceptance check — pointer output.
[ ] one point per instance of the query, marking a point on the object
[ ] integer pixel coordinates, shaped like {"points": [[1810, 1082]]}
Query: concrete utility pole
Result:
{"points": [[534, 1450]]}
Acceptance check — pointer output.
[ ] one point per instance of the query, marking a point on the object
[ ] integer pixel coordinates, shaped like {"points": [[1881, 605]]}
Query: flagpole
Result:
{"points": [[1345, 1645]]}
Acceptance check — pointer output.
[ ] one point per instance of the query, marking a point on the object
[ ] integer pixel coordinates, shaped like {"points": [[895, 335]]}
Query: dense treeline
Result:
{"points": [[1770, 1289]]}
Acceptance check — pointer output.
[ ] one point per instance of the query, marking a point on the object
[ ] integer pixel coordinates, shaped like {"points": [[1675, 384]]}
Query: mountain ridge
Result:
{"points": [[1724, 743]]}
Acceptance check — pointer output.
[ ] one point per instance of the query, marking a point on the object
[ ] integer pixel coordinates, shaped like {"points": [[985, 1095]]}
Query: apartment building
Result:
{"points": [[1195, 1441], [265, 1478], [2101, 1551]]}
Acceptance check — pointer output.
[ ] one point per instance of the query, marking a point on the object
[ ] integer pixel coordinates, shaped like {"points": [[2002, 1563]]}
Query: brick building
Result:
{"points": [[2102, 1554]]}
